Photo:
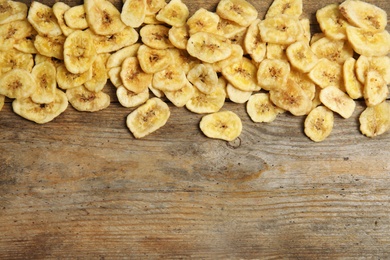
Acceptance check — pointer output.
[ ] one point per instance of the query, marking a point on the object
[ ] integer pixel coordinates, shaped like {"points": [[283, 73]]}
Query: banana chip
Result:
{"points": [[203, 77], [337, 51], [224, 125], [75, 18], [175, 13], [171, 78], [44, 75], [238, 11], [273, 73], [237, 95], [17, 83], [116, 59], [68, 80], [301, 56], [128, 98], [375, 120], [14, 59], [84, 100], [242, 75], [59, 9], [375, 88], [132, 76], [289, 7], [332, 22], [319, 124], [369, 43], [261, 109], [156, 36], [353, 87], [178, 37], [42, 18], [253, 43], [180, 97], [12, 11], [337, 101], [202, 103], [50, 46], [203, 21], [134, 12], [153, 60], [281, 29], [99, 75]]}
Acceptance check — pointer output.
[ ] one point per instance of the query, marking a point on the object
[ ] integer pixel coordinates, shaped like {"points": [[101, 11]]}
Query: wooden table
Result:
{"points": [[82, 187]]}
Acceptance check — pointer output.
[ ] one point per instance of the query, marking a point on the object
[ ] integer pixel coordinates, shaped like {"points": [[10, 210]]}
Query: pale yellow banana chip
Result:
{"points": [[132, 76], [17, 83], [319, 124], [50, 46], [103, 17], [156, 36], [59, 9], [375, 88], [99, 75], [115, 78], [369, 43], [26, 44], [76, 18], [11, 11], [276, 51], [202, 103], [148, 118], [316, 36], [180, 97], [171, 78], [134, 12], [242, 75], [79, 52], [375, 120], [84, 100], [44, 75], [337, 51], [208, 47], [289, 7], [281, 29], [42, 18], [306, 36], [337, 101], [111, 43], [253, 44], [153, 60], [128, 98], [11, 32], [178, 37], [237, 95], [183, 59], [380, 64], [238, 11], [224, 125], [116, 59], [261, 109], [14, 59], [327, 73], [332, 22], [272, 73], [301, 56], [364, 15], [151, 19], [203, 21], [236, 55], [304, 82], [41, 113], [353, 87], [203, 77], [68, 80], [154, 6], [175, 13], [156, 92]]}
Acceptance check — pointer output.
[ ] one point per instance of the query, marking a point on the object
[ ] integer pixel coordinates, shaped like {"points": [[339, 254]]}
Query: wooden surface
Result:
{"points": [[81, 187]]}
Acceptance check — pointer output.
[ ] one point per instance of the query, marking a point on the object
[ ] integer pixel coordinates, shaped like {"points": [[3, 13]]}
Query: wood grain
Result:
{"points": [[81, 187]]}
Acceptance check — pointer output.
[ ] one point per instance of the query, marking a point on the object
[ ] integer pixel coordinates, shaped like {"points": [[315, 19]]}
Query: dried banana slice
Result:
{"points": [[276, 51], [134, 12], [235, 57], [41, 113], [304, 82], [327, 73], [203, 21], [12, 11], [132, 76], [171, 78], [50, 46], [332, 22], [68, 80], [129, 99], [375, 120], [180, 97], [76, 18], [369, 43], [59, 9], [242, 75], [114, 42], [26, 43], [17, 83], [14, 59], [178, 37], [289, 7], [44, 75], [353, 87], [228, 29], [183, 59], [208, 47], [224, 125], [153, 60], [116, 59], [99, 75], [319, 124], [306, 36], [175, 13], [364, 15], [103, 17], [337, 101], [202, 103], [203, 77], [42, 18], [115, 78], [301, 56], [253, 44], [156, 36], [380, 64], [375, 88], [291, 97], [281, 29], [148, 118], [84, 100], [79, 52], [337, 51], [154, 6], [261, 109], [273, 73], [238, 11], [237, 95], [11, 33]]}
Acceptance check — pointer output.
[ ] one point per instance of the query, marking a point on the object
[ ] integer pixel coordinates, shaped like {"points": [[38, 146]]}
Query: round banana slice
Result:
{"points": [[253, 44], [202, 103], [67, 80], [237, 95], [132, 76], [337, 101], [171, 78], [183, 59], [42, 18], [87, 101], [153, 60], [337, 51], [79, 52], [14, 59], [227, 28], [380, 64], [180, 97], [99, 75], [353, 87], [116, 59], [44, 75], [50, 46], [301, 56], [208, 47], [375, 88], [304, 82], [261, 109], [17, 83], [148, 118], [289, 7], [26, 44], [238, 11], [281, 29], [319, 124], [364, 15], [12, 11], [41, 113], [203, 77], [235, 57], [134, 12], [75, 18], [332, 22], [375, 120], [114, 42], [59, 9], [154, 6], [369, 43], [272, 73], [129, 99], [327, 73], [11, 33], [203, 21], [224, 125], [276, 51], [175, 13], [178, 37], [242, 75], [156, 36]]}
